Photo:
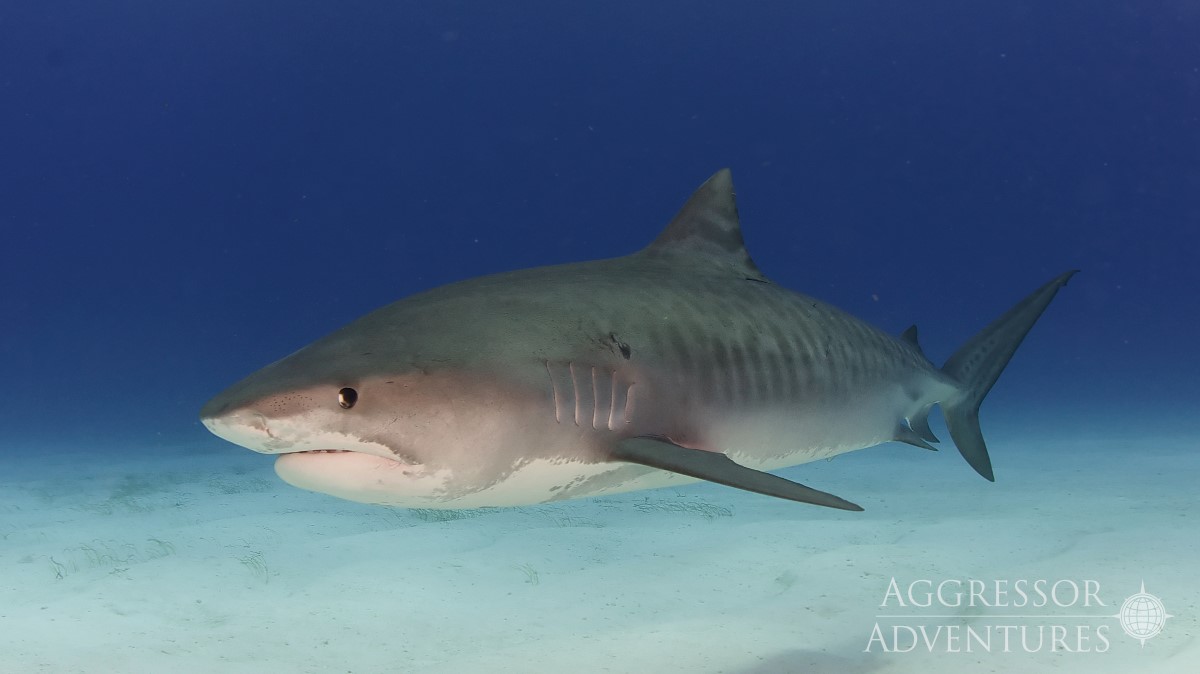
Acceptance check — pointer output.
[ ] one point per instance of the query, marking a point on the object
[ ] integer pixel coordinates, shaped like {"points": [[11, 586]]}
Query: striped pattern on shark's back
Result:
{"points": [[740, 343]]}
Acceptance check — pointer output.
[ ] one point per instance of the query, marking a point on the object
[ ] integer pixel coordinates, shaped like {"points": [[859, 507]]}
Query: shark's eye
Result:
{"points": [[347, 397]]}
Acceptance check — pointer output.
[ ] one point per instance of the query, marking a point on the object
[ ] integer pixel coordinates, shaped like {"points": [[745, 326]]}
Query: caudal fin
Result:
{"points": [[978, 364]]}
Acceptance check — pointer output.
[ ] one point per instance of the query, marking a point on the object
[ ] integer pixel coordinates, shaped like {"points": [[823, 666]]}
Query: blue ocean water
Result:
{"points": [[190, 190], [194, 190]]}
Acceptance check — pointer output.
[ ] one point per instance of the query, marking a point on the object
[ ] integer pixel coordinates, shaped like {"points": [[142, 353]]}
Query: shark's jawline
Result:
{"points": [[677, 363]]}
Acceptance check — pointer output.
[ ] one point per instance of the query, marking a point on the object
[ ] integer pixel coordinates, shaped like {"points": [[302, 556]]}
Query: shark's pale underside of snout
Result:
{"points": [[678, 362]]}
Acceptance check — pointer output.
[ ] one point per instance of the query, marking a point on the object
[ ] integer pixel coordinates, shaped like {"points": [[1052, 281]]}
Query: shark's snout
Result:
{"points": [[266, 421], [228, 408], [241, 419], [244, 427], [213, 409]]}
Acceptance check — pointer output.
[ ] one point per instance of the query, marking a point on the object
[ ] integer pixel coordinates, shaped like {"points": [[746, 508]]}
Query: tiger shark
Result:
{"points": [[677, 363]]}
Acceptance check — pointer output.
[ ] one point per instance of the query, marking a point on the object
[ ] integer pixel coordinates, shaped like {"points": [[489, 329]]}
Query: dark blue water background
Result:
{"points": [[189, 190]]}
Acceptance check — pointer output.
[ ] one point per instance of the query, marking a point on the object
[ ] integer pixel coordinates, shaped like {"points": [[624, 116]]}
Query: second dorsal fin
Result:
{"points": [[706, 230], [910, 336]]}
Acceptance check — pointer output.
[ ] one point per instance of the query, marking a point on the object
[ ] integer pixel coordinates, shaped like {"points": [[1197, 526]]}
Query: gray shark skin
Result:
{"points": [[677, 363]]}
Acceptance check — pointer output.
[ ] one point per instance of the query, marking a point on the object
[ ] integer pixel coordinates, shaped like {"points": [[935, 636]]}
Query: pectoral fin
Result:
{"points": [[716, 467]]}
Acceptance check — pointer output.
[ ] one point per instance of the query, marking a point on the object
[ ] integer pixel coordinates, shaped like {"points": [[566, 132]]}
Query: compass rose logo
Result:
{"points": [[1143, 615]]}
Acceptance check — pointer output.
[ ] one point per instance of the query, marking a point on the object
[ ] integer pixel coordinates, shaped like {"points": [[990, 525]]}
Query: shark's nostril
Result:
{"points": [[251, 420]]}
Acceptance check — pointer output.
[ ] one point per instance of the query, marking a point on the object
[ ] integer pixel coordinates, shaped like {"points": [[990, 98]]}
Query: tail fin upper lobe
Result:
{"points": [[978, 364]]}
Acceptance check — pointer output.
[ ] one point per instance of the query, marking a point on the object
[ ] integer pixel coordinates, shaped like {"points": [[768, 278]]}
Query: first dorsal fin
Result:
{"points": [[706, 229]]}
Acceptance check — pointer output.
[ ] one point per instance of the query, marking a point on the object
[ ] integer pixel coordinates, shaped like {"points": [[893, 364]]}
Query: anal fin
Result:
{"points": [[716, 467]]}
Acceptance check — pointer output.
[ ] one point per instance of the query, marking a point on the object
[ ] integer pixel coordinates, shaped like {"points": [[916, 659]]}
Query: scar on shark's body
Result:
{"points": [[677, 363]]}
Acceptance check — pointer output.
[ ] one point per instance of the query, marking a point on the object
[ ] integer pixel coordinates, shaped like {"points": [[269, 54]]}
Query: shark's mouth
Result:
{"points": [[387, 457], [357, 476]]}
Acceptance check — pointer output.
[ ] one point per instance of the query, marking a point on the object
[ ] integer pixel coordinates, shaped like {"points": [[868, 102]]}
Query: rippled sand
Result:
{"points": [[200, 560]]}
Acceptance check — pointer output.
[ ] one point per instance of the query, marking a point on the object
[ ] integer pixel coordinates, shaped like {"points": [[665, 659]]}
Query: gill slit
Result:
{"points": [[575, 389], [595, 398], [554, 392], [612, 403]]}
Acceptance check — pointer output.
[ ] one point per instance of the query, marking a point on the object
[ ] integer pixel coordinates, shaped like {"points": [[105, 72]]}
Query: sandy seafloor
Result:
{"points": [[200, 560]]}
